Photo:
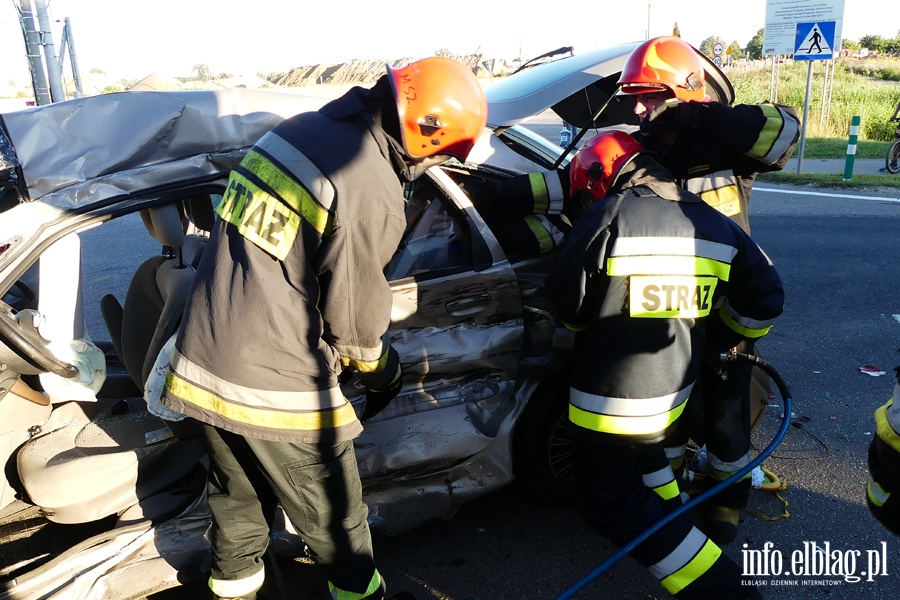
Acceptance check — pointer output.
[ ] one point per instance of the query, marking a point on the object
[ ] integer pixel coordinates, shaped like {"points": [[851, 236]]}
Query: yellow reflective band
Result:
{"points": [[363, 366], [769, 133], [617, 425], [575, 328], [884, 429], [328, 418], [539, 192], [690, 572], [746, 332], [294, 194], [339, 594], [726, 200], [259, 217], [543, 237], [877, 494], [623, 266], [670, 297], [668, 491]]}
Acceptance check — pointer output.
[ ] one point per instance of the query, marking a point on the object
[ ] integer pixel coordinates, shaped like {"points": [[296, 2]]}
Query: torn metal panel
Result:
{"points": [[111, 136]]}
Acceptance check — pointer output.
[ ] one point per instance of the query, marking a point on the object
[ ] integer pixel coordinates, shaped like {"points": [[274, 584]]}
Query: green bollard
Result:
{"points": [[851, 148]]}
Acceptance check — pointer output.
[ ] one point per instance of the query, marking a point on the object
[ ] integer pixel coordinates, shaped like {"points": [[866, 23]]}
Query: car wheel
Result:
{"points": [[542, 459]]}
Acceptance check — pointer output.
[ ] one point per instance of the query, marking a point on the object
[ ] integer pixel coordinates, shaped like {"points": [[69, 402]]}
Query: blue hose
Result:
{"points": [[696, 501]]}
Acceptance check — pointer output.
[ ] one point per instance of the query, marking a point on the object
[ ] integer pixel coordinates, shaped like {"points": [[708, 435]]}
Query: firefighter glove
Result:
{"points": [[673, 116], [382, 386], [378, 399]]}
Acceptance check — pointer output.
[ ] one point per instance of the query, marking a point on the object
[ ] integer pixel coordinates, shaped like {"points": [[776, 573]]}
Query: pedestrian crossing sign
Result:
{"points": [[814, 41]]}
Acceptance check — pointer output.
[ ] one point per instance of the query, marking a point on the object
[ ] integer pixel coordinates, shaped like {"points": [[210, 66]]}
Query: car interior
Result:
{"points": [[93, 466]]}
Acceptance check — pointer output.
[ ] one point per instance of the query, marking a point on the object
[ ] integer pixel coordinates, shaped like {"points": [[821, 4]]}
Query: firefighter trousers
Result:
{"points": [[615, 501], [718, 416], [318, 487]]}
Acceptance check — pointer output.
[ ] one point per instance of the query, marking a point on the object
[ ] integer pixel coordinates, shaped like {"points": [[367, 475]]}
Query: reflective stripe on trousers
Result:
{"points": [[237, 588], [626, 416], [691, 559]]}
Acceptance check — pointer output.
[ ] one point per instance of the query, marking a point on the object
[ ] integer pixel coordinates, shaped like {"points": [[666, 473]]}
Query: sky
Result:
{"points": [[129, 39]]}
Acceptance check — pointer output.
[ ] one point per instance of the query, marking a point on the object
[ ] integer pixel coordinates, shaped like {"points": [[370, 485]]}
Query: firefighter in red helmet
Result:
{"points": [[715, 151], [289, 294], [649, 278]]}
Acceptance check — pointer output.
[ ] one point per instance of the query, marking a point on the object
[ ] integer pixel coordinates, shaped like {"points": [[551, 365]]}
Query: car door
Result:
{"points": [[457, 325]]}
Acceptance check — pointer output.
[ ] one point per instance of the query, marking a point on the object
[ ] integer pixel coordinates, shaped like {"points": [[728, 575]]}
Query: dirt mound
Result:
{"points": [[361, 72]]}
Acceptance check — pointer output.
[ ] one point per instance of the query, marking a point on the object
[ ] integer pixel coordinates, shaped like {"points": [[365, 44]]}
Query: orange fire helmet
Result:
{"points": [[441, 106], [665, 63], [597, 165]]}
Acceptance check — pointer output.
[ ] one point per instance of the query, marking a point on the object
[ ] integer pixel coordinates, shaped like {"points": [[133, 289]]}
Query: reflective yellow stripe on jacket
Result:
{"points": [[626, 416], [670, 277], [292, 411], [546, 192], [719, 190], [776, 136], [744, 326]]}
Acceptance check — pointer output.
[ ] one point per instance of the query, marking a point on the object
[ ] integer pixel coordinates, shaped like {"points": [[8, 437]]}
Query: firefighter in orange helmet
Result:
{"points": [[289, 293], [715, 151], [650, 278]]}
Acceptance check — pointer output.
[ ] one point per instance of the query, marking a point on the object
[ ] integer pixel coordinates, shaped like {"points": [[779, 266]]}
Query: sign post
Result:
{"points": [[812, 41]]}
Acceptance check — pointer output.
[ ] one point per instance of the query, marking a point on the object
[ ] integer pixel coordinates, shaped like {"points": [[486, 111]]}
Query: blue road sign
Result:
{"points": [[814, 41]]}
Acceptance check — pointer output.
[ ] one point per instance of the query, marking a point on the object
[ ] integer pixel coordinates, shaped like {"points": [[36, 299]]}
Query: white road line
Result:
{"points": [[798, 193]]}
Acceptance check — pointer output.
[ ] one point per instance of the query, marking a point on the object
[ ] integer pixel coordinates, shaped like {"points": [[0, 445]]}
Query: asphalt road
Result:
{"points": [[838, 256]]}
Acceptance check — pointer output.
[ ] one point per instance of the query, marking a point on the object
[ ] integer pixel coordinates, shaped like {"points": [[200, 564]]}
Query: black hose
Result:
{"points": [[696, 501]]}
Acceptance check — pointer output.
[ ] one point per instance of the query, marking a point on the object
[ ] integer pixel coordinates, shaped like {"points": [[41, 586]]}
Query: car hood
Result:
{"points": [[577, 86], [81, 152]]}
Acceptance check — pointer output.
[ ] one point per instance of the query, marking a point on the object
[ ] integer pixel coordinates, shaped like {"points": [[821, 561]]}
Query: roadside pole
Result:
{"points": [[805, 113], [851, 148], [33, 50], [54, 73]]}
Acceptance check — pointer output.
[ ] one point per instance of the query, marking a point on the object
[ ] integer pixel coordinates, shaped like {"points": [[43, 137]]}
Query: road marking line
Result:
{"points": [[775, 191]]}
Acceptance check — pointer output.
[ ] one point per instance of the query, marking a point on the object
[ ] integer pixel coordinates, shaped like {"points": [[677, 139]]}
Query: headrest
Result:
{"points": [[164, 224], [199, 211]]}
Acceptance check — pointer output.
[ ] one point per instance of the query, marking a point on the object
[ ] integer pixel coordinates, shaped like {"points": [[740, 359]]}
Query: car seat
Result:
{"points": [[125, 461]]}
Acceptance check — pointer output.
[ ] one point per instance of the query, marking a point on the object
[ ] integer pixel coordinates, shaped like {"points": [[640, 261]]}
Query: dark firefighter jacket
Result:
{"points": [[883, 489], [525, 212], [718, 153], [720, 149], [639, 274], [291, 287]]}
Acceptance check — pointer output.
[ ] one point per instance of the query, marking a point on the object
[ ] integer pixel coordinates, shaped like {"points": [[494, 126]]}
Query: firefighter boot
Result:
{"points": [[722, 512]]}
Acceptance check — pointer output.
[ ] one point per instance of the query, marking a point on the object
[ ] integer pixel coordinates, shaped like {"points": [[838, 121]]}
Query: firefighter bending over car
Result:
{"points": [[655, 282], [290, 292], [715, 151]]}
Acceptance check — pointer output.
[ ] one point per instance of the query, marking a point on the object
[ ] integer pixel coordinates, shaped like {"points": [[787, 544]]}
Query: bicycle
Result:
{"points": [[892, 160]]}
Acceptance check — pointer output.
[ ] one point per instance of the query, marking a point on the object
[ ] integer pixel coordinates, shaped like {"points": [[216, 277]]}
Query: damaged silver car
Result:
{"points": [[105, 204]]}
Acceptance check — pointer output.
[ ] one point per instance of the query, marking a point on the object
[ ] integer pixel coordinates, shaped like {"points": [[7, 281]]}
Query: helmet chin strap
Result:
{"points": [[417, 167]]}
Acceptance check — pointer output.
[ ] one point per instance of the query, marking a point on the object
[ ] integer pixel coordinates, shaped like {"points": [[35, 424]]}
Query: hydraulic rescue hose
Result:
{"points": [[696, 501]]}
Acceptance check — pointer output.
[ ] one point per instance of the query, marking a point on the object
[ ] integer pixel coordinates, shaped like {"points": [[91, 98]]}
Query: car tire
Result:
{"points": [[542, 453]]}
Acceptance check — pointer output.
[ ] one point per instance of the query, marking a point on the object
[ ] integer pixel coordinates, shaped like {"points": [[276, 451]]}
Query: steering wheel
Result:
{"points": [[26, 290], [24, 340]]}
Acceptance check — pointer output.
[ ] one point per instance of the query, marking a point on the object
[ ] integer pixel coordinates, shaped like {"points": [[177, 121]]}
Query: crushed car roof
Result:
{"points": [[83, 151]]}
